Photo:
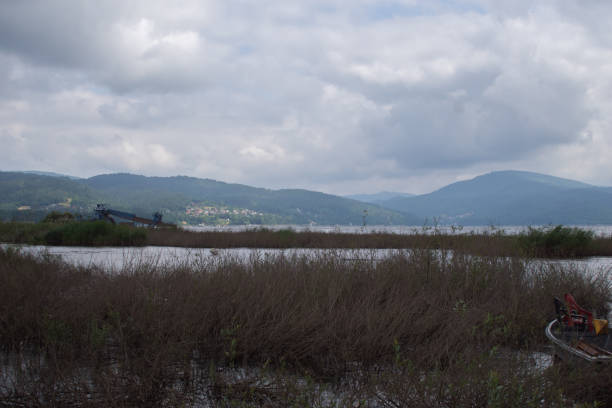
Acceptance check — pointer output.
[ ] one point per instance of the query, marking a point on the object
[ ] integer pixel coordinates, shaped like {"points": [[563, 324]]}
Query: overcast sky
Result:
{"points": [[330, 95]]}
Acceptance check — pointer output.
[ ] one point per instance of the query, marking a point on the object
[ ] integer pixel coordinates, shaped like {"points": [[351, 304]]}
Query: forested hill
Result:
{"points": [[24, 195], [378, 198], [270, 206], [185, 199], [512, 198]]}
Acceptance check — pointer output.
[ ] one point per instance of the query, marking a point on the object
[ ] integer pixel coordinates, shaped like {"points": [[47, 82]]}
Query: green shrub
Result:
{"points": [[95, 233], [57, 217], [559, 241], [23, 232], [286, 235]]}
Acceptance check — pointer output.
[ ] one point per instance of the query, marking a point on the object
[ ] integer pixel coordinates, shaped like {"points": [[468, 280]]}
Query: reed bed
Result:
{"points": [[412, 329], [557, 242], [550, 242], [265, 238]]}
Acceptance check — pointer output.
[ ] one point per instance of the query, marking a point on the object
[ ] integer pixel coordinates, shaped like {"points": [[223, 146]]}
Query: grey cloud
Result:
{"points": [[511, 118], [58, 33], [126, 50], [286, 93]]}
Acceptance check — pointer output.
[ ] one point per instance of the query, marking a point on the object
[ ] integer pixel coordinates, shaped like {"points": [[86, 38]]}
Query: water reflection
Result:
{"points": [[116, 258]]}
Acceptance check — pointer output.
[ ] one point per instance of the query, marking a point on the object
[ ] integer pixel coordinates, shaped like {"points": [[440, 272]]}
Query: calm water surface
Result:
{"points": [[117, 258]]}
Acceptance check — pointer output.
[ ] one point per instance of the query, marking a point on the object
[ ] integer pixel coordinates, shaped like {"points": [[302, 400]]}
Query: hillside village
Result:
{"points": [[196, 211]]}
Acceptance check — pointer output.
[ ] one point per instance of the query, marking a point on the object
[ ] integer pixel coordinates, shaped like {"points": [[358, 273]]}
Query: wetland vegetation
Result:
{"points": [[545, 242], [414, 329]]}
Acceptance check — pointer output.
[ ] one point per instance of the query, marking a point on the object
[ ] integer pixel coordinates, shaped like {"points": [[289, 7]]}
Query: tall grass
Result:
{"points": [[150, 336]]}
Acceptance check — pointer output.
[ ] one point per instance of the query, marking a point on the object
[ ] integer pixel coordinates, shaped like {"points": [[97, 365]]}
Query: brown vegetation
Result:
{"points": [[557, 242], [265, 238], [409, 330]]}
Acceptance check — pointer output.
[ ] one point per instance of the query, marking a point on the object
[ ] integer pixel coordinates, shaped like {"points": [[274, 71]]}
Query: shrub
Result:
{"points": [[559, 241], [57, 217], [95, 233]]}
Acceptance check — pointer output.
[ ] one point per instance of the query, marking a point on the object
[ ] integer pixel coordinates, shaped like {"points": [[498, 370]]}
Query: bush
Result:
{"points": [[559, 241], [95, 233], [57, 217]]}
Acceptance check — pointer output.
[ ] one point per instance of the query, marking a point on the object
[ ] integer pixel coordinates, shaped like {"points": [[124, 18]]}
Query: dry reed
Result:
{"points": [[151, 336]]}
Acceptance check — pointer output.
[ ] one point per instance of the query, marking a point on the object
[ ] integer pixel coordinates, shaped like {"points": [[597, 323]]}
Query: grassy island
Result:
{"points": [[552, 242]]}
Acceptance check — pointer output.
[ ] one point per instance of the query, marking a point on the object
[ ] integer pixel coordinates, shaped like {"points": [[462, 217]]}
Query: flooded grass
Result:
{"points": [[413, 329]]}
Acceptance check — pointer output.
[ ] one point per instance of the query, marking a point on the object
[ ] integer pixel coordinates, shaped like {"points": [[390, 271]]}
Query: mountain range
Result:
{"points": [[378, 198], [511, 198], [185, 200], [498, 198]]}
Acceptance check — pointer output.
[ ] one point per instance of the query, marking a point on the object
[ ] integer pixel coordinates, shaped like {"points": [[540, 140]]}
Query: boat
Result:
{"points": [[577, 336]]}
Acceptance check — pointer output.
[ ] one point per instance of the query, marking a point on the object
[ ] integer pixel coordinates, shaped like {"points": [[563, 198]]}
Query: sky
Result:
{"points": [[355, 96]]}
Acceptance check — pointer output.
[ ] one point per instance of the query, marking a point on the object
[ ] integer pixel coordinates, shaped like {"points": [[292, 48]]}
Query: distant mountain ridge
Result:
{"points": [[188, 199], [49, 173], [377, 198], [498, 198], [512, 198], [288, 205]]}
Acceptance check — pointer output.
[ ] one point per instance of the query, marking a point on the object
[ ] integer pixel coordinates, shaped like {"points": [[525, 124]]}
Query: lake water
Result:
{"points": [[117, 258]]}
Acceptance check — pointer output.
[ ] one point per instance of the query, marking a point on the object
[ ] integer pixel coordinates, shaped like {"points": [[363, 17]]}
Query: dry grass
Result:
{"points": [[148, 336]]}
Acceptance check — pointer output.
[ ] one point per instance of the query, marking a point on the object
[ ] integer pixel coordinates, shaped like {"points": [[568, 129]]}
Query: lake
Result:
{"points": [[117, 258]]}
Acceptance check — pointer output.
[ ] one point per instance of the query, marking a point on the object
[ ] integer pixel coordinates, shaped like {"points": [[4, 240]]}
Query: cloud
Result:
{"points": [[132, 153], [330, 95]]}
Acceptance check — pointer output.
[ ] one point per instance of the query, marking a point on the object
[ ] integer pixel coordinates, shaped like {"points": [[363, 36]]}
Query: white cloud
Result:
{"points": [[131, 153], [258, 154], [336, 95]]}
